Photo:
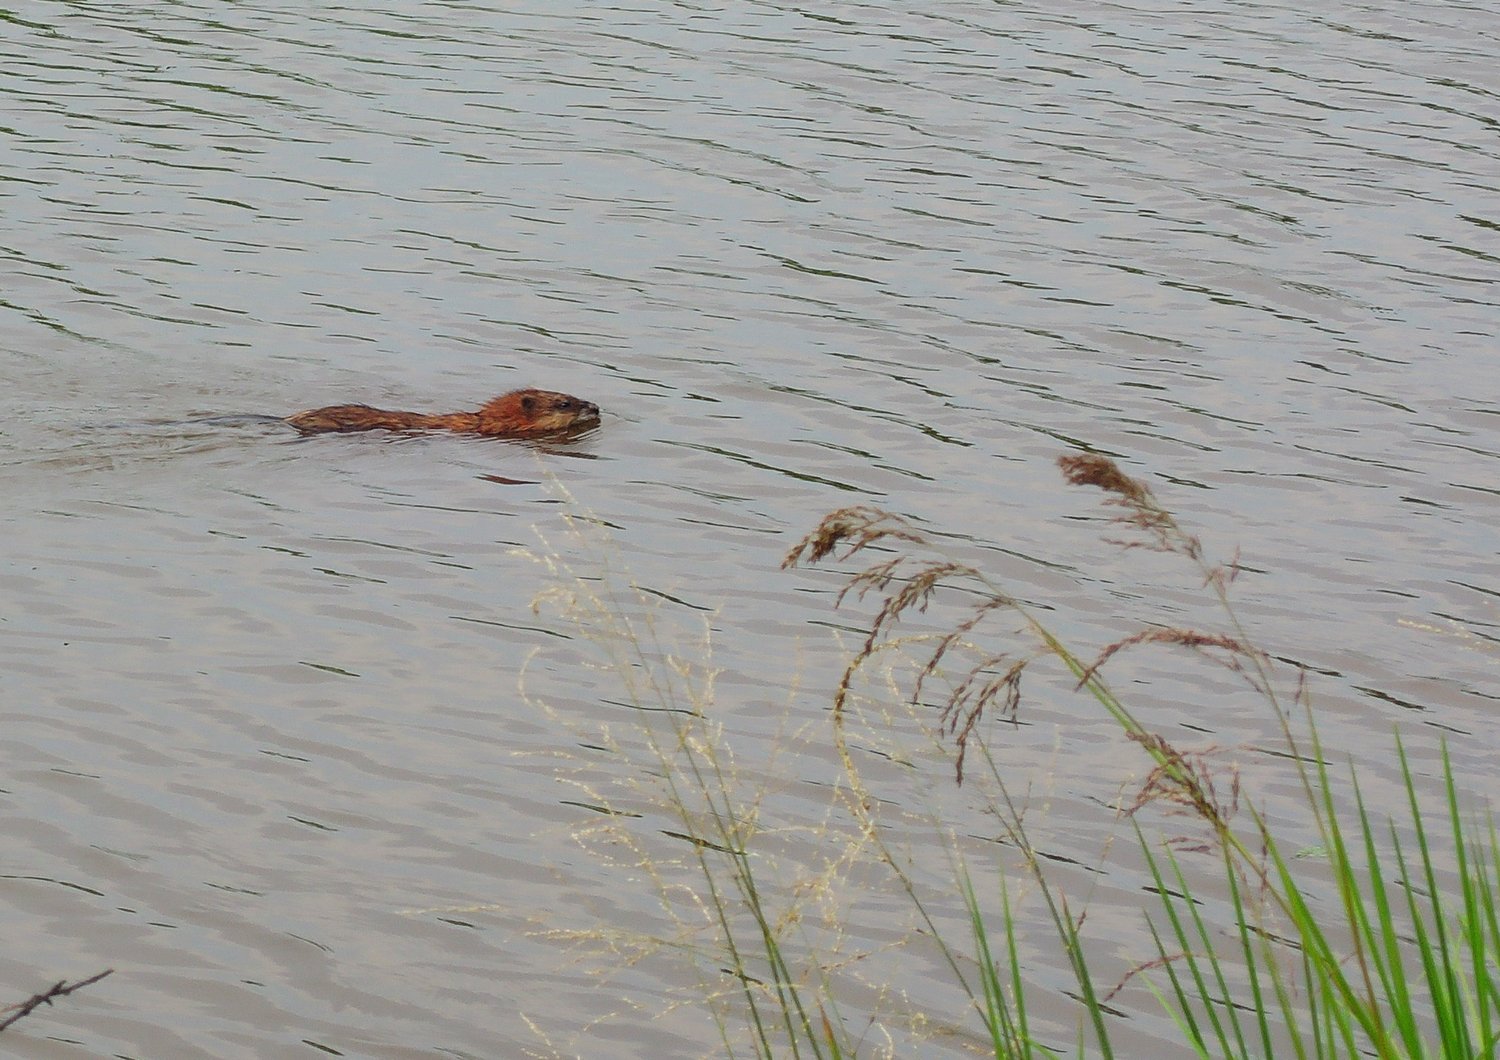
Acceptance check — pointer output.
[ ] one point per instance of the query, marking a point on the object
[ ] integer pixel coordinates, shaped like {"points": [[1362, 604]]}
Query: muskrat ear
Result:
{"points": [[528, 402]]}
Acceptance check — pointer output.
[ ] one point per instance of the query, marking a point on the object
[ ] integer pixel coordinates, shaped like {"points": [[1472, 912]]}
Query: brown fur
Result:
{"points": [[519, 414]]}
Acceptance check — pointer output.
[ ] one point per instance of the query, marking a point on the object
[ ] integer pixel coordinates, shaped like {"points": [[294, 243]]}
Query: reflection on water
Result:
{"points": [[264, 746]]}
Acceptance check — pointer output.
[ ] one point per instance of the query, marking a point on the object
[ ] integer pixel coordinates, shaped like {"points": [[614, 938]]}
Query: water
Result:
{"points": [[264, 747]]}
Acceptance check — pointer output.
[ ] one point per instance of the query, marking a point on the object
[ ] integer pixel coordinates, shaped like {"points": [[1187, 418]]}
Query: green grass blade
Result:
{"points": [[1184, 996]]}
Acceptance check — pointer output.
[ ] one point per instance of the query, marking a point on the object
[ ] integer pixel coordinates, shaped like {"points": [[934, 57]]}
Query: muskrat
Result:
{"points": [[519, 414]]}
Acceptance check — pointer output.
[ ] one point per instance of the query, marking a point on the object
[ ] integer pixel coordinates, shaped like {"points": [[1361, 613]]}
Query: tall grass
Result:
{"points": [[676, 811], [1383, 943]]}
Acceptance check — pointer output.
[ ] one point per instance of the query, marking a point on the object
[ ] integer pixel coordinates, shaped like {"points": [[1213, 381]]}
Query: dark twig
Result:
{"points": [[60, 989]]}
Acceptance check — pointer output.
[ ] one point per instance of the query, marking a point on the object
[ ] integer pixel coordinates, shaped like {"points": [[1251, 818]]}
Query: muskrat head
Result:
{"points": [[530, 411]]}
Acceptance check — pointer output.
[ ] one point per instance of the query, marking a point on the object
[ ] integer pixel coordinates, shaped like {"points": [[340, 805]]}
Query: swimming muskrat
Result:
{"points": [[519, 414]]}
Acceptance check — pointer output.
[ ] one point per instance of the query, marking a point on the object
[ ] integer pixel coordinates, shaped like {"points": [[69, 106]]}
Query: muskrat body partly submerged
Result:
{"points": [[519, 414]]}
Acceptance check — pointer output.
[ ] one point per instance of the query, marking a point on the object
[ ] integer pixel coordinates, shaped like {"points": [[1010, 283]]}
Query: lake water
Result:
{"points": [[267, 746]]}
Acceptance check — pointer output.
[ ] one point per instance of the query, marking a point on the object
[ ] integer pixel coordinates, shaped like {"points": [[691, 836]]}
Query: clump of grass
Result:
{"points": [[1386, 944], [1402, 963]]}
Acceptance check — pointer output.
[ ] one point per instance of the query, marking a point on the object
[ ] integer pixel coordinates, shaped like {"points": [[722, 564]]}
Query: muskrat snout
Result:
{"points": [[584, 410]]}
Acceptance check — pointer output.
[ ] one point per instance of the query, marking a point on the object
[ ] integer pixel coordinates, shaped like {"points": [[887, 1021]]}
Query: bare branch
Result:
{"points": [[60, 989]]}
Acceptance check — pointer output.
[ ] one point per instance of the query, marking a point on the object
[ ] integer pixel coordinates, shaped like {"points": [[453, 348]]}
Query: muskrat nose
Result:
{"points": [[590, 408]]}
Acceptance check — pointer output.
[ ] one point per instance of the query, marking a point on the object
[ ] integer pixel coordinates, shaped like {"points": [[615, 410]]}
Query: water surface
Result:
{"points": [[266, 750]]}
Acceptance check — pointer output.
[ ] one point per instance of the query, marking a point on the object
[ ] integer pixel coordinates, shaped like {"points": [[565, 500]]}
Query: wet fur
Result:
{"points": [[519, 414]]}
